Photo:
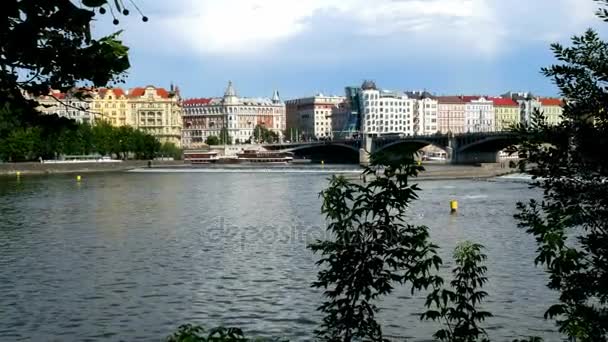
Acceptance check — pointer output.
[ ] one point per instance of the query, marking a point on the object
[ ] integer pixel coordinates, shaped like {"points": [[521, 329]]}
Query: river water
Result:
{"points": [[130, 256]]}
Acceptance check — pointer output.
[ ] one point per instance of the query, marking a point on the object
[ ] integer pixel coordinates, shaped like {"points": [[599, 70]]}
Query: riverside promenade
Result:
{"points": [[34, 168]]}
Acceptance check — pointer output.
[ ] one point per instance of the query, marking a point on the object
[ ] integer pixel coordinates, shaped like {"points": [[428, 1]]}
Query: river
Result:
{"points": [[130, 256]]}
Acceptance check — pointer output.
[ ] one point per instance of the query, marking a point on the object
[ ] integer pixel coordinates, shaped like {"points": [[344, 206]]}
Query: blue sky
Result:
{"points": [[302, 47]]}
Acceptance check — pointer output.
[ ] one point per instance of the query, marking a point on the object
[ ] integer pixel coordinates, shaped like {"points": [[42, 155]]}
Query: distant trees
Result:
{"points": [[212, 140], [225, 138], [261, 134], [58, 136]]}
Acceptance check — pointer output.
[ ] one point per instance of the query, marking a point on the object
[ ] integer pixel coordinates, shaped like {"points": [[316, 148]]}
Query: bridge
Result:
{"points": [[465, 148]]}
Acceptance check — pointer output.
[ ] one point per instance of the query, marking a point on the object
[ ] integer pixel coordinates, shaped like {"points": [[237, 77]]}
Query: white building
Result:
{"points": [[66, 105], [315, 117], [479, 114], [385, 112], [239, 115], [425, 112]]}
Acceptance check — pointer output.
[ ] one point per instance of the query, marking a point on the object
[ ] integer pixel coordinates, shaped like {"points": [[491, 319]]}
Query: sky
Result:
{"points": [[303, 47]]}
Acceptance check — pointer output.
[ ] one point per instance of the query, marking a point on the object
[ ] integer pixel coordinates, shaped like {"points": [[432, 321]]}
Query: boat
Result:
{"points": [[266, 157], [201, 157]]}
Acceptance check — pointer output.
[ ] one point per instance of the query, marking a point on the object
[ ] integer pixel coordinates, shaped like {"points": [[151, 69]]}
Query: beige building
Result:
{"points": [[552, 109], [316, 117], [205, 117], [451, 114], [156, 112]]}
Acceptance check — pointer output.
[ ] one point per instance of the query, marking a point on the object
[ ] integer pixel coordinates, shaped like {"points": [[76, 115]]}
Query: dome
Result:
{"points": [[367, 85]]}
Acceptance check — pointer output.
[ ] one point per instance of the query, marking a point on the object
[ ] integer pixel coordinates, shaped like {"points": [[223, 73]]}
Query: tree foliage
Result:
{"points": [[212, 140], [225, 138], [570, 165], [195, 333], [55, 136], [457, 308], [373, 248], [261, 134]]}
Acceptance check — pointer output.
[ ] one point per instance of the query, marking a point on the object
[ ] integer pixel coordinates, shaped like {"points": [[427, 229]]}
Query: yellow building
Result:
{"points": [[507, 113], [158, 112], [111, 105], [552, 109]]}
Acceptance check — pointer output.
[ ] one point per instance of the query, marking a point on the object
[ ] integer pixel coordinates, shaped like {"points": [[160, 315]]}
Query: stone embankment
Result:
{"points": [[7, 169], [444, 172]]}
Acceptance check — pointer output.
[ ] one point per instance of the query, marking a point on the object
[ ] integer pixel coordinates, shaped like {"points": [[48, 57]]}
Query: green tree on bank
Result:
{"points": [[261, 134], [570, 161]]}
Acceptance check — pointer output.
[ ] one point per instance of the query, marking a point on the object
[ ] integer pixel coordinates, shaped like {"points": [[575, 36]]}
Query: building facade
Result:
{"points": [[316, 117], [450, 114], [156, 112], [66, 105], [111, 105], [239, 116], [552, 109], [478, 114], [384, 112], [425, 112], [506, 112]]}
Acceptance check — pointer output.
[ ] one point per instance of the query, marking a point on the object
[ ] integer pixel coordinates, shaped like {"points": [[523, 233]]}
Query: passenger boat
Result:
{"points": [[201, 157], [256, 156]]}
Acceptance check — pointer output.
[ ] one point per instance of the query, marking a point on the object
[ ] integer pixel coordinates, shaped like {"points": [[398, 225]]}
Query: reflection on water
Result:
{"points": [[131, 256]]}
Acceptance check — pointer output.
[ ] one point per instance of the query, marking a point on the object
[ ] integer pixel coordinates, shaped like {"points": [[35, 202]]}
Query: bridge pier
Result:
{"points": [[365, 151], [474, 157]]}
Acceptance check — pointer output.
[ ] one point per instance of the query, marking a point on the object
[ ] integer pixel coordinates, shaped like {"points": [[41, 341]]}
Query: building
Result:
{"points": [[552, 109], [111, 105], [450, 114], [155, 111], [478, 114], [205, 117], [425, 112], [506, 112], [384, 112], [316, 117], [66, 105]]}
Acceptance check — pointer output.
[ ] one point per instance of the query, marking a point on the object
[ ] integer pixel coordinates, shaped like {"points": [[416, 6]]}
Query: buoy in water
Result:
{"points": [[78, 178], [322, 162], [18, 173], [453, 206]]}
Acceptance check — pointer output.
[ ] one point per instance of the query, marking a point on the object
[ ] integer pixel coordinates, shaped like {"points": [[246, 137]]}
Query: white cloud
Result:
{"points": [[244, 28]]}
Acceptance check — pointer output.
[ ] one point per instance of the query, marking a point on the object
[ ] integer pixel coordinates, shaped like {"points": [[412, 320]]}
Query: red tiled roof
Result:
{"points": [[504, 102], [450, 99], [139, 91], [194, 102], [118, 92], [550, 102]]}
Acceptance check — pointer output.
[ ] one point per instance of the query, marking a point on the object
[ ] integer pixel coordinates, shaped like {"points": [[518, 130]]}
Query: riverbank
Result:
{"points": [[449, 172], [433, 171], [8, 169]]}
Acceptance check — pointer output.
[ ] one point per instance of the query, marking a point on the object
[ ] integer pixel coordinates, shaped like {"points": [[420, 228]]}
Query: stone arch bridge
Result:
{"points": [[466, 148]]}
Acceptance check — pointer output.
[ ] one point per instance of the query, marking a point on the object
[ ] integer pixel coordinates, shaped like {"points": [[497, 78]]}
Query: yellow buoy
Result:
{"points": [[322, 162], [18, 173], [78, 178], [419, 163], [453, 206]]}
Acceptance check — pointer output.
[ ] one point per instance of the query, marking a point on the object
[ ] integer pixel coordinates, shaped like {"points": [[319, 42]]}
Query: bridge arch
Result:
{"points": [[329, 153], [415, 144], [489, 144]]}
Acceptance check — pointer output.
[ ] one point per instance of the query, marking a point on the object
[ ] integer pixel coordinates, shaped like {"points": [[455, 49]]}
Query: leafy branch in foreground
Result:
{"points": [[372, 248], [570, 165], [457, 308], [195, 333]]}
